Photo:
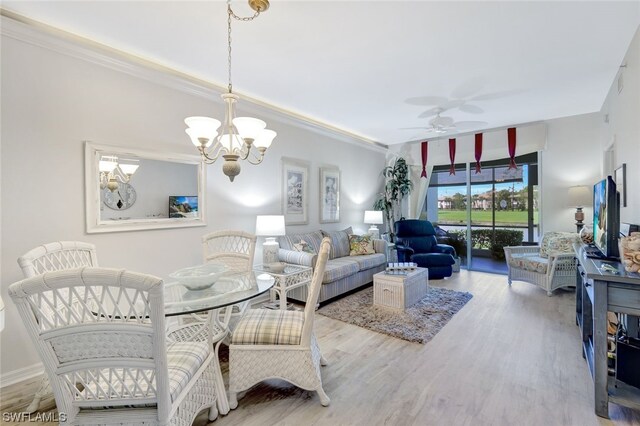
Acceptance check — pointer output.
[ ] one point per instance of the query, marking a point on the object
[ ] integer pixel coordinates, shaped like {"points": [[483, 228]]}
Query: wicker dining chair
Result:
{"points": [[281, 344], [105, 350], [54, 257], [234, 249]]}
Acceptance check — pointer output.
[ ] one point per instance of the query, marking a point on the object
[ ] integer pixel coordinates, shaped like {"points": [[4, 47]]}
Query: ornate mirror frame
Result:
{"points": [[94, 224]]}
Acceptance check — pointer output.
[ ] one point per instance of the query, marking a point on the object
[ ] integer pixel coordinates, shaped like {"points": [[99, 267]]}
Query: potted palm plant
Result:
{"points": [[397, 186]]}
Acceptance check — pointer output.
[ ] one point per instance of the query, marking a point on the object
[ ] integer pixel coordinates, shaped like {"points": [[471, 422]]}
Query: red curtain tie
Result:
{"points": [[452, 156], [424, 159], [478, 151], [511, 136]]}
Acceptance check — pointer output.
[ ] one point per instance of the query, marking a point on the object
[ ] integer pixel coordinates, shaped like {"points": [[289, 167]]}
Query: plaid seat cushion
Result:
{"points": [[269, 327], [183, 361]]}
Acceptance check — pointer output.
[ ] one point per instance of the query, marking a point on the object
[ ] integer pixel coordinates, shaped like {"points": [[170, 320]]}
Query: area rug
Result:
{"points": [[418, 323]]}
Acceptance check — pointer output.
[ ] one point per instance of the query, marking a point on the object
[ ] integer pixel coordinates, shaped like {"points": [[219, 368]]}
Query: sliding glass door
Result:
{"points": [[491, 209]]}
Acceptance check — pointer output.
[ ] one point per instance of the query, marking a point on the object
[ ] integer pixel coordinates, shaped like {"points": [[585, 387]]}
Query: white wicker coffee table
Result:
{"points": [[399, 291]]}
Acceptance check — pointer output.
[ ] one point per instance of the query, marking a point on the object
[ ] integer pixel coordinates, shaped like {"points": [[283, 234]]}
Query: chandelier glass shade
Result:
{"points": [[236, 138], [111, 171]]}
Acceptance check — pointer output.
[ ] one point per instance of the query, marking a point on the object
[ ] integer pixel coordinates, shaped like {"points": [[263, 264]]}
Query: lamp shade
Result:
{"points": [[270, 225], [579, 196], [373, 217], [249, 128], [129, 169], [265, 138]]}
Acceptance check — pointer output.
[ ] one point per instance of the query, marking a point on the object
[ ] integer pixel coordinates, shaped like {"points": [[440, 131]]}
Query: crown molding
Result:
{"points": [[39, 34]]}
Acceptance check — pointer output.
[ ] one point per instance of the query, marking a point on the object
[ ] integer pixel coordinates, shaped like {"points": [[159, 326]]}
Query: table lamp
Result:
{"points": [[373, 218], [270, 226], [579, 197]]}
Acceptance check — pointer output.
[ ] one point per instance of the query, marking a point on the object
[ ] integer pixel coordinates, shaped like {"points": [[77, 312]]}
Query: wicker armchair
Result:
{"points": [[280, 344], [550, 266], [105, 349], [54, 257]]}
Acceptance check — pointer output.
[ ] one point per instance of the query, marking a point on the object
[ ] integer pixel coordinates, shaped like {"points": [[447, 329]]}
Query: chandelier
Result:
{"points": [[112, 172], [240, 138]]}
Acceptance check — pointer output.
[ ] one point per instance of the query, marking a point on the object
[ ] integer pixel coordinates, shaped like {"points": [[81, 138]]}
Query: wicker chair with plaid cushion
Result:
{"points": [[54, 257], [281, 344], [104, 349], [551, 265]]}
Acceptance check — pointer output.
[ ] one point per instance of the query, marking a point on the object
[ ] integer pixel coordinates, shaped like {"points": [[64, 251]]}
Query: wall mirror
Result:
{"points": [[130, 189]]}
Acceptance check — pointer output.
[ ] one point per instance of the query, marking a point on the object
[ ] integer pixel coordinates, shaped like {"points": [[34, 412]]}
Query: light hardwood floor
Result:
{"points": [[511, 356]]}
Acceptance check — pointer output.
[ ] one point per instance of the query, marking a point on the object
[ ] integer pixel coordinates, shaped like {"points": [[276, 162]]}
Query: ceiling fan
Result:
{"points": [[442, 125]]}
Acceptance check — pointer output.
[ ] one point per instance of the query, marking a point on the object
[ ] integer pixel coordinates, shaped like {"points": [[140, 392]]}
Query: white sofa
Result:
{"points": [[343, 272]]}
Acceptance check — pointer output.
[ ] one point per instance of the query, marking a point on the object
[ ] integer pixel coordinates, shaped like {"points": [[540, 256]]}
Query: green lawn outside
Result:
{"points": [[484, 217]]}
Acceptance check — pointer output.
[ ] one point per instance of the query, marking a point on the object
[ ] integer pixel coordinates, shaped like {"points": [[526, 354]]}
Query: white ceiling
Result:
{"points": [[357, 65]]}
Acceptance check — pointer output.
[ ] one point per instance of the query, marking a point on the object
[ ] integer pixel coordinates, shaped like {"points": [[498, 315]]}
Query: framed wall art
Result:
{"points": [[621, 183], [329, 194], [295, 191]]}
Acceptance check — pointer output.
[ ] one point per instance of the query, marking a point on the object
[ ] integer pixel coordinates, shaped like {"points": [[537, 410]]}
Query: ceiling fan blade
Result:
{"points": [[430, 112], [426, 100], [469, 124], [471, 109], [414, 128]]}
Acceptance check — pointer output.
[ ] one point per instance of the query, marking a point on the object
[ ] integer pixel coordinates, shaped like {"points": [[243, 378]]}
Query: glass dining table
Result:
{"points": [[203, 315]]}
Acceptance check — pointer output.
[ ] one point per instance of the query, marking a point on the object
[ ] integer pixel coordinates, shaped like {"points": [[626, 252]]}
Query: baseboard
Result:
{"points": [[21, 374]]}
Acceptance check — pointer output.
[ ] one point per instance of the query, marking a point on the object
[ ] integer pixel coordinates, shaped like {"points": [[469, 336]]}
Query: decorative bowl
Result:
{"points": [[276, 267], [199, 277]]}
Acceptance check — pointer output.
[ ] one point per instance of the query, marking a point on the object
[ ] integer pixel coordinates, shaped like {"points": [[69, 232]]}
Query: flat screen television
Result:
{"points": [[606, 217], [183, 206]]}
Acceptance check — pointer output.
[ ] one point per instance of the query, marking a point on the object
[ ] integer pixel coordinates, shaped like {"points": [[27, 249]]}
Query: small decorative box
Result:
{"points": [[401, 268]]}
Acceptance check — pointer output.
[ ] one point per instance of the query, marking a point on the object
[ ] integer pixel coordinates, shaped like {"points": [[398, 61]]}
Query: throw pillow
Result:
{"points": [[339, 242], [304, 247], [360, 245]]}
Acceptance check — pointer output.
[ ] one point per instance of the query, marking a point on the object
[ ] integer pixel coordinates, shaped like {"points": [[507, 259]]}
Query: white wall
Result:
{"points": [[623, 110], [573, 157], [52, 102]]}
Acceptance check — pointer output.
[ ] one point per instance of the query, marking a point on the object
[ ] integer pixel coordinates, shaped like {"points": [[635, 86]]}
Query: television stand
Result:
{"points": [[603, 287]]}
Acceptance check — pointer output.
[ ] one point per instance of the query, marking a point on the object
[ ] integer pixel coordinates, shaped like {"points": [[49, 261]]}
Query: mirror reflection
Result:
{"points": [[135, 189], [157, 189]]}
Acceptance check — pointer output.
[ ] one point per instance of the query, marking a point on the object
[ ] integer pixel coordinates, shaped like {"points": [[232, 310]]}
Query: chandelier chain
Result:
{"points": [[231, 14]]}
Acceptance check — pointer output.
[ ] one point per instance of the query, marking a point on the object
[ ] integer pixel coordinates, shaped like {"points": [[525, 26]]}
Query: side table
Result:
{"points": [[293, 276]]}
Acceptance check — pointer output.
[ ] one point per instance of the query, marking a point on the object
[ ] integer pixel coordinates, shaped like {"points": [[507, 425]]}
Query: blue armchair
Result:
{"points": [[416, 242]]}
